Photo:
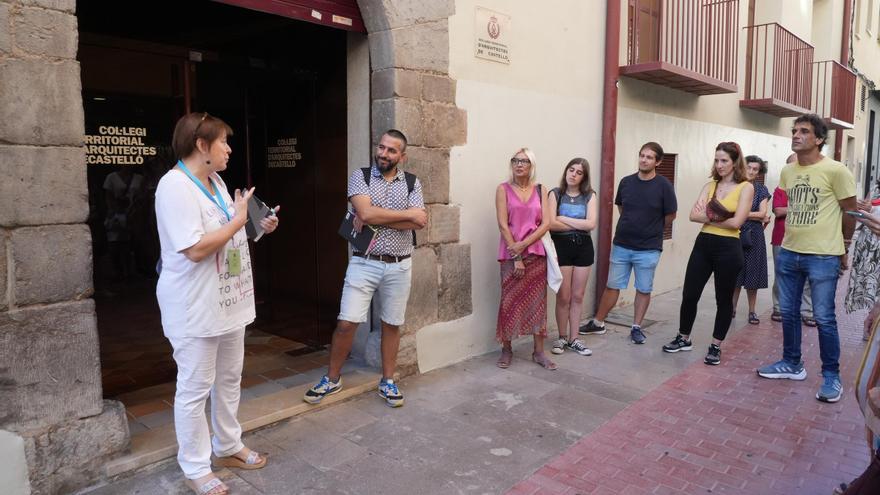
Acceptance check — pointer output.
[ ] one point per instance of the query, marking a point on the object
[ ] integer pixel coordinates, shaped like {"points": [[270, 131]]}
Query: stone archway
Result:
{"points": [[411, 90]]}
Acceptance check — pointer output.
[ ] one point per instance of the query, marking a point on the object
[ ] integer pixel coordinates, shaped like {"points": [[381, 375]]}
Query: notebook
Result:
{"points": [[361, 241]]}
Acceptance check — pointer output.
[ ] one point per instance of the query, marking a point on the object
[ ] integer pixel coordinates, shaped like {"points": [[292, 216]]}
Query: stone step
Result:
{"points": [[160, 443]]}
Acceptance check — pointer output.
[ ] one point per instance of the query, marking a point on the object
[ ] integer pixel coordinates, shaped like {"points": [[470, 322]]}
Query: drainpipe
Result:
{"points": [[609, 131], [844, 59]]}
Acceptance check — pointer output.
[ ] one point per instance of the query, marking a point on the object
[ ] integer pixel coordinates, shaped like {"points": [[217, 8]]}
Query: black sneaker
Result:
{"points": [[679, 343], [591, 329], [713, 357]]}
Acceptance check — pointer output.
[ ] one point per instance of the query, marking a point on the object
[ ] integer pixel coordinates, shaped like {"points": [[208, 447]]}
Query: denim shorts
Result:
{"points": [[365, 277], [642, 263]]}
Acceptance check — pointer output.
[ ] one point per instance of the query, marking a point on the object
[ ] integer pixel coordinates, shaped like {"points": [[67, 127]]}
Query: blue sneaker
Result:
{"points": [[637, 335], [783, 369], [388, 390], [831, 389], [324, 388]]}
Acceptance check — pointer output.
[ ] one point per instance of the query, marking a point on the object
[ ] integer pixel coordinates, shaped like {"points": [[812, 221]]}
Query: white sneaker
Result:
{"points": [[579, 347], [559, 346]]}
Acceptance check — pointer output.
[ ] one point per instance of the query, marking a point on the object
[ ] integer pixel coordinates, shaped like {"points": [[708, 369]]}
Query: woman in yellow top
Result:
{"points": [[722, 207]]}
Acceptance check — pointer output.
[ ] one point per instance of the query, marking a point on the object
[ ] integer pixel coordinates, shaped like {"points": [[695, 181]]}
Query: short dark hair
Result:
{"points": [[757, 159], [655, 147], [820, 128], [194, 126], [396, 135]]}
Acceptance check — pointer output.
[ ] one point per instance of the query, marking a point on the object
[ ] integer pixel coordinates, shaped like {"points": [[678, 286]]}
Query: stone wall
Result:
{"points": [[50, 374], [411, 90]]}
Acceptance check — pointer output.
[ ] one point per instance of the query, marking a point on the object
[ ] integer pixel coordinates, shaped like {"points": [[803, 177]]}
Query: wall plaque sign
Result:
{"points": [[491, 35]]}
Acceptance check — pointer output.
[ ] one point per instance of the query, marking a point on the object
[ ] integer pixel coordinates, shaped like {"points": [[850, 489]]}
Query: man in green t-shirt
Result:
{"points": [[817, 236]]}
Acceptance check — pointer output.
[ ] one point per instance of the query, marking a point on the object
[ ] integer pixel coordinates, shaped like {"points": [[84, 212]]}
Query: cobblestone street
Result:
{"points": [[627, 420]]}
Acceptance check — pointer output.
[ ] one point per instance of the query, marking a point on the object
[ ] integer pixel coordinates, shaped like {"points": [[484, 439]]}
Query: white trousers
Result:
{"points": [[207, 366]]}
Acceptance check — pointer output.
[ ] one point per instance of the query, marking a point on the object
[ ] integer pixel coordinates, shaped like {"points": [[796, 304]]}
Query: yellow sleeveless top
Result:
{"points": [[730, 202]]}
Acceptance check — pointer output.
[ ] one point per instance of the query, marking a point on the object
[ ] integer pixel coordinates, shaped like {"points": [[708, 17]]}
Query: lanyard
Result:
{"points": [[217, 200]]}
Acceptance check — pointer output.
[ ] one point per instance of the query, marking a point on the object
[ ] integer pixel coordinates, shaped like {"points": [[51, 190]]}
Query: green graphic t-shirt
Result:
{"points": [[813, 223]]}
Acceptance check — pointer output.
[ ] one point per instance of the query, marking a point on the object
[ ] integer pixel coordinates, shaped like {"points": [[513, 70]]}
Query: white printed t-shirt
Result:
{"points": [[199, 299]]}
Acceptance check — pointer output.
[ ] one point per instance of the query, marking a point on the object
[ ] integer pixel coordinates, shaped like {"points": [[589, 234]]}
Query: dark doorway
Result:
{"points": [[281, 85]]}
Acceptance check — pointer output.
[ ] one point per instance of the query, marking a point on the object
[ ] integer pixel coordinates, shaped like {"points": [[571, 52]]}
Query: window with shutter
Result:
{"points": [[667, 169]]}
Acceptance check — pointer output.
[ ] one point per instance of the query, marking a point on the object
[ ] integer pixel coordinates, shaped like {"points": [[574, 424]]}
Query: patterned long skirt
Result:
{"points": [[523, 308], [864, 275]]}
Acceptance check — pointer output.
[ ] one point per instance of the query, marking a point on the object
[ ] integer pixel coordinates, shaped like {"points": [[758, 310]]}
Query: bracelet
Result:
{"points": [[517, 257]]}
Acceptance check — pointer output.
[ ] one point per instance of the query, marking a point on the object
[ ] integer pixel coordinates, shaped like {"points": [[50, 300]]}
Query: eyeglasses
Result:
{"points": [[196, 131], [520, 161]]}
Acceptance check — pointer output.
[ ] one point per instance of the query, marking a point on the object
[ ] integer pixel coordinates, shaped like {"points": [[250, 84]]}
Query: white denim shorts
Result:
{"points": [[364, 277]]}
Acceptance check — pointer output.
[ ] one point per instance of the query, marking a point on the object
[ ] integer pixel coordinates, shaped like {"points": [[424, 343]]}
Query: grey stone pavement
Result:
{"points": [[467, 428]]}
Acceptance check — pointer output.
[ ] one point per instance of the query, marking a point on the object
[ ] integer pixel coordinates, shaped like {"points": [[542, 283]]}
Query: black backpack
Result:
{"points": [[410, 185]]}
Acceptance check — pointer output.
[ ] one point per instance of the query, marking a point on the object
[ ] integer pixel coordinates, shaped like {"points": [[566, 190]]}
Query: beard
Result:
{"points": [[384, 165]]}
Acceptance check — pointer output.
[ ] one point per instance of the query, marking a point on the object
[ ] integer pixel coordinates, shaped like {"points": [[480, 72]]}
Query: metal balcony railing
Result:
{"points": [[690, 45], [779, 71], [834, 94]]}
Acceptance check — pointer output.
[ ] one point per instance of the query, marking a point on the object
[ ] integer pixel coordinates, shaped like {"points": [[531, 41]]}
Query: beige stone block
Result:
{"points": [[68, 6], [42, 185], [380, 15], [443, 224], [421, 309], [52, 263], [5, 29], [50, 371], [37, 31], [438, 88], [418, 47], [431, 165], [70, 455], [455, 282], [50, 112], [444, 125], [407, 355], [388, 83], [403, 114]]}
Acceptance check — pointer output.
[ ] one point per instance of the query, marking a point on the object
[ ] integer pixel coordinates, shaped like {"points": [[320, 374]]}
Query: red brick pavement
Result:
{"points": [[724, 429]]}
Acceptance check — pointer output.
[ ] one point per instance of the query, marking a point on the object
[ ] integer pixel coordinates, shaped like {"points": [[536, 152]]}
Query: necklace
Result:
{"points": [[521, 188]]}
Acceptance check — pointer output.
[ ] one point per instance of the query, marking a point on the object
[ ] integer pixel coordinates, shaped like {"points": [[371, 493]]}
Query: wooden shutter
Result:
{"points": [[667, 169]]}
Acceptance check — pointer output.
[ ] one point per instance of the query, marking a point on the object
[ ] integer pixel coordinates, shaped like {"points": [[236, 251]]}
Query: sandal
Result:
{"points": [[542, 360], [211, 487], [809, 321], [253, 461], [776, 316], [505, 359], [753, 319]]}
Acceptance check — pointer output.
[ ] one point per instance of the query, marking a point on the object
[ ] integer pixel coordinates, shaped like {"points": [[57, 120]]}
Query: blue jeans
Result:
{"points": [[792, 271], [641, 263]]}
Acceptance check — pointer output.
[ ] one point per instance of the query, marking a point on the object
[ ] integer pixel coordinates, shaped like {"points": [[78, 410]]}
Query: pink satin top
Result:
{"points": [[522, 219]]}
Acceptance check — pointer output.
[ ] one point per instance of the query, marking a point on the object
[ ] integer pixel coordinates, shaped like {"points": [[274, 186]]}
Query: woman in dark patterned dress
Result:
{"points": [[864, 275], [754, 272]]}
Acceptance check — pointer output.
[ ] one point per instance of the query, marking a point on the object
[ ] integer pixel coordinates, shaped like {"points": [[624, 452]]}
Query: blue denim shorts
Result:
{"points": [[365, 277], [624, 261]]}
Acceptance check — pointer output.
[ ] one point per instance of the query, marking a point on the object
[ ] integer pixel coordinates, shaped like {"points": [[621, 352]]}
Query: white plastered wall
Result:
{"points": [[549, 99], [13, 469], [694, 142]]}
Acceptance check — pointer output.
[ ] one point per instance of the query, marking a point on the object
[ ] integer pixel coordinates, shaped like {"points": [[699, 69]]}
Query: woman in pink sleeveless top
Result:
{"points": [[522, 220]]}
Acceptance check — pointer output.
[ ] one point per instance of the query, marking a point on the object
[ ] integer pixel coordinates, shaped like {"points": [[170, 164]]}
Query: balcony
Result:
{"points": [[834, 94], [779, 71], [689, 45]]}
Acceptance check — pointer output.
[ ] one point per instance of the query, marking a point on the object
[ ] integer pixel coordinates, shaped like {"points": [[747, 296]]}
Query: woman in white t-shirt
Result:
{"points": [[206, 296]]}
